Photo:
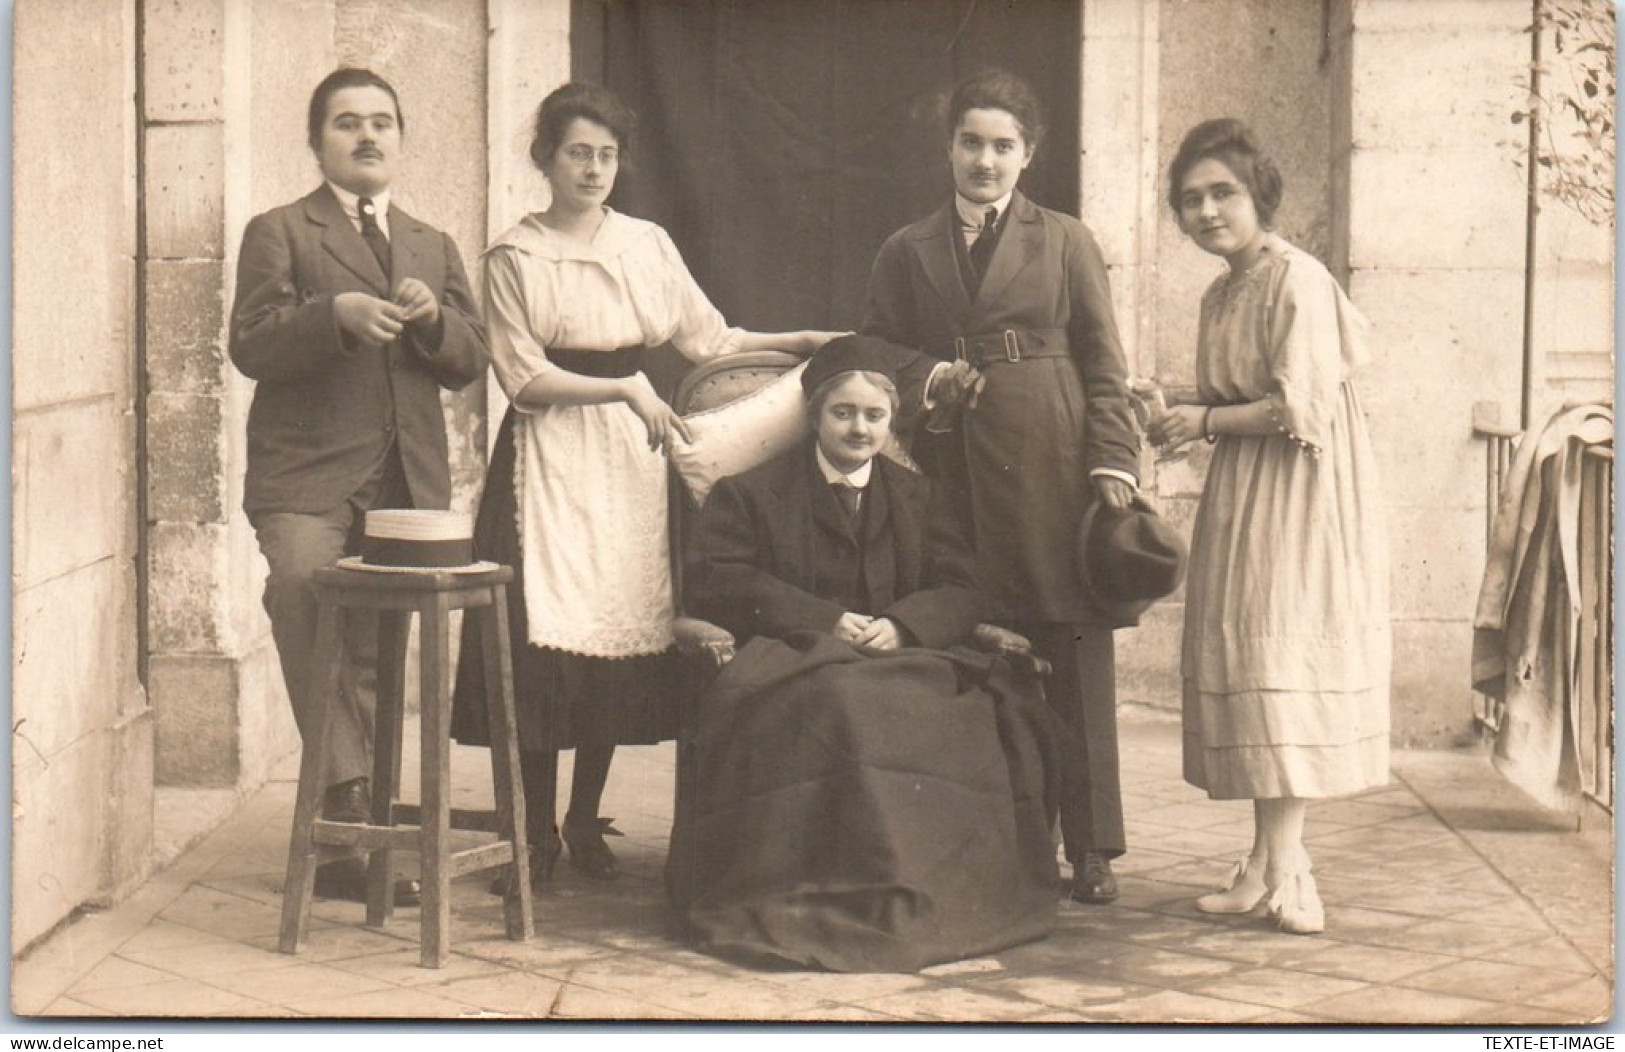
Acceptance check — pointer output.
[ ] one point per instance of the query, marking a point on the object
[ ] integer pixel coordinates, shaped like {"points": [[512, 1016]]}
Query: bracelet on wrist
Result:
{"points": [[1207, 430]]}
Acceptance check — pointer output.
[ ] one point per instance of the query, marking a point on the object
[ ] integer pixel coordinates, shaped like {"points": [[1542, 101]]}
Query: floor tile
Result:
{"points": [[162, 934], [841, 988], [1175, 1007], [223, 913], [403, 967], [1497, 981], [1455, 938], [1398, 1006], [118, 972], [336, 942], [177, 998], [1551, 953], [208, 960], [515, 994], [1157, 967], [396, 1003], [826, 1012], [585, 1004], [1457, 926], [1276, 987], [68, 1007], [302, 982], [1586, 1000], [950, 1004], [1346, 960], [543, 953], [1065, 992]]}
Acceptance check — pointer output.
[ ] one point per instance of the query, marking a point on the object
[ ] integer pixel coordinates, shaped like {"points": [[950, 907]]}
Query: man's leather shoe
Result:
{"points": [[346, 880], [1093, 880], [347, 802]]}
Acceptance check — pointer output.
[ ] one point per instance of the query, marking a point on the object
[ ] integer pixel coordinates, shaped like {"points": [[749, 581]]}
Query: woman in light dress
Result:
{"points": [[575, 498], [1286, 648]]}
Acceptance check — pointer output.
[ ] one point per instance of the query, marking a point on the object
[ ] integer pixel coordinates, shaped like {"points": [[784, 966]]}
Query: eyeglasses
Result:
{"points": [[583, 154]]}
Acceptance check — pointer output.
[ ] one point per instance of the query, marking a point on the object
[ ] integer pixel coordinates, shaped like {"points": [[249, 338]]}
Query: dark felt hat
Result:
{"points": [[1128, 558], [844, 354]]}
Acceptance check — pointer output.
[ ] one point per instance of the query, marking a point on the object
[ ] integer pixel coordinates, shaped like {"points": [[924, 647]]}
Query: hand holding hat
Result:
{"points": [[1128, 558]]}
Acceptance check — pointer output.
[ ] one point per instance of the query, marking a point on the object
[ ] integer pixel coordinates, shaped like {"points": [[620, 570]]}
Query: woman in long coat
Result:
{"points": [[1018, 308]]}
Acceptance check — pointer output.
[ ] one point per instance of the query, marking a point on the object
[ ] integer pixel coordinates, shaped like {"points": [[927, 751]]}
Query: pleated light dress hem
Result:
{"points": [[1337, 756]]}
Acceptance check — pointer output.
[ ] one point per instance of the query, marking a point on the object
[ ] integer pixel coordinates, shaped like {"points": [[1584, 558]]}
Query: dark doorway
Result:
{"points": [[781, 141]]}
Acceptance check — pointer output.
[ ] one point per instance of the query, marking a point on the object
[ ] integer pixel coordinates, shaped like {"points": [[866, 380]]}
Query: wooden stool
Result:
{"points": [[426, 829]]}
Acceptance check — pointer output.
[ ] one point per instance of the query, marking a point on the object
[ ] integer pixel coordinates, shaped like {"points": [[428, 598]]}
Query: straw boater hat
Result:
{"points": [[406, 539]]}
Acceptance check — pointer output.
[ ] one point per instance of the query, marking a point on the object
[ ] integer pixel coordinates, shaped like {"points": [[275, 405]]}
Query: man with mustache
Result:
{"points": [[350, 315]]}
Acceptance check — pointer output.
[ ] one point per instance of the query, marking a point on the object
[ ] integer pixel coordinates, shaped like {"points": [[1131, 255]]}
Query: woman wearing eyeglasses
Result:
{"points": [[575, 498]]}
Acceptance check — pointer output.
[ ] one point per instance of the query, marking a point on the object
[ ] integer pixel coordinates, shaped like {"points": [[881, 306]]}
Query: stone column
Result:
{"points": [[1151, 71], [528, 56], [216, 690], [81, 728], [1121, 62], [1432, 226]]}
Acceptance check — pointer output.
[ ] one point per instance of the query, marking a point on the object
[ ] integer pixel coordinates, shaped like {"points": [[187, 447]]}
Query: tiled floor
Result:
{"points": [[1451, 899]]}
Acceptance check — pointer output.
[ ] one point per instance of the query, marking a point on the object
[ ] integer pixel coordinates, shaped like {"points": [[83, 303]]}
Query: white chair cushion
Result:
{"points": [[742, 434]]}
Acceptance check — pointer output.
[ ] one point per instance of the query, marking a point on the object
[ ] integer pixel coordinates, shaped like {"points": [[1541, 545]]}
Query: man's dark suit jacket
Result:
{"points": [[325, 407], [753, 559]]}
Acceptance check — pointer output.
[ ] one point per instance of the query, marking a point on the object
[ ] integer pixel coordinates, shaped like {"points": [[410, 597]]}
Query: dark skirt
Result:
{"points": [[561, 699], [844, 809]]}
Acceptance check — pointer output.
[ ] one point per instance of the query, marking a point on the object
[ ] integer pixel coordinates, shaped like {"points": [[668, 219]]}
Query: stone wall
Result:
{"points": [[82, 732], [228, 85], [1391, 122], [1434, 221], [1151, 72]]}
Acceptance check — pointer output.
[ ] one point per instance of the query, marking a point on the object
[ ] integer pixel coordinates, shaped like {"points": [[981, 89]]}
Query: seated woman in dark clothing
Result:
{"points": [[853, 796]]}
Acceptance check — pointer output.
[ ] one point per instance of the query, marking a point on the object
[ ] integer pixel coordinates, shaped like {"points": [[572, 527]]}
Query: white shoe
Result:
{"points": [[1242, 895], [1297, 906]]}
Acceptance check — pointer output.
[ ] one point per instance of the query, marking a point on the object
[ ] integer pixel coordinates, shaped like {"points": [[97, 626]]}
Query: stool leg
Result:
{"points": [[393, 627], [505, 780], [435, 820], [299, 883]]}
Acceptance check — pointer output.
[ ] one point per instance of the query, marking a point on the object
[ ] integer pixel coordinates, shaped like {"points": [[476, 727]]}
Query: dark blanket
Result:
{"points": [[864, 811]]}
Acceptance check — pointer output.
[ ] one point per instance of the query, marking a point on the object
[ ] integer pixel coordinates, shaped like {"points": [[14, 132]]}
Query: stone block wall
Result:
{"points": [[1399, 175], [1151, 72], [82, 731], [197, 643], [226, 88], [1434, 220]]}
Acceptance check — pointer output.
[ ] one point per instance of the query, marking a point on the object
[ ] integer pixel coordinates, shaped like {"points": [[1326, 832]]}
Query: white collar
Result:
{"points": [[351, 203], [971, 214], [858, 479]]}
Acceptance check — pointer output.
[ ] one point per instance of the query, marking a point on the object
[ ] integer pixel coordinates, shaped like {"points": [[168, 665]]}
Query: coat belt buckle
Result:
{"points": [[1012, 346]]}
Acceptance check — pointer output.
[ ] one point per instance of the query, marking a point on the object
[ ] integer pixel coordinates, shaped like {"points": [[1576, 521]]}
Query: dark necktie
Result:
{"points": [[848, 495], [982, 248], [373, 233]]}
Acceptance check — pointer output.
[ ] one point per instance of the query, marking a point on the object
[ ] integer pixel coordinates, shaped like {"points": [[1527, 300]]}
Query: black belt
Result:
{"points": [[606, 365], [1011, 345]]}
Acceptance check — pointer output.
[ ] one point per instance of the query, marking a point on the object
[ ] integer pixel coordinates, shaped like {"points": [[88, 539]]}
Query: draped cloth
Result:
{"points": [[864, 811], [1527, 625]]}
